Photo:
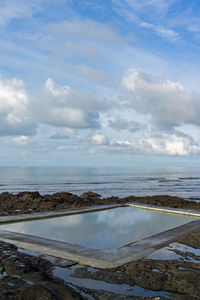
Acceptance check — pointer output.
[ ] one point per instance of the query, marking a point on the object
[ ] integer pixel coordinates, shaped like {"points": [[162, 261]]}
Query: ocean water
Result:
{"points": [[107, 181]]}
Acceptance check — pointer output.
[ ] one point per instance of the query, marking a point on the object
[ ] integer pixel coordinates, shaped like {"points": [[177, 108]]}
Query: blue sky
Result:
{"points": [[99, 82]]}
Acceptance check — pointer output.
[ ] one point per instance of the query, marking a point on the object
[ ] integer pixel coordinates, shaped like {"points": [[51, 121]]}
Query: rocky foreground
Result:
{"points": [[27, 277]]}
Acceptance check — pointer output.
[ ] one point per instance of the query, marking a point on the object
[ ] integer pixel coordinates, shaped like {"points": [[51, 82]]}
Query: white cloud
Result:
{"points": [[86, 30], [65, 133], [120, 124], [77, 41], [125, 11], [11, 9], [75, 48], [167, 34], [140, 12], [113, 148], [94, 75], [56, 90], [69, 131], [19, 141], [64, 107], [159, 7], [99, 139], [62, 116], [164, 144], [14, 109], [168, 103], [171, 144], [69, 148], [58, 106], [97, 5], [147, 25]]}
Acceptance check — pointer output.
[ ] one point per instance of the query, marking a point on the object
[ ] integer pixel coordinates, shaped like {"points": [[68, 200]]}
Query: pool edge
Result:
{"points": [[99, 258]]}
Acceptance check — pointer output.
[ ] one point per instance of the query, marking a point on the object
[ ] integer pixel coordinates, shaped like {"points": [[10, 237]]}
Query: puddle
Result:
{"points": [[3, 274], [169, 253], [184, 248], [29, 252], [164, 254], [122, 289], [156, 270]]}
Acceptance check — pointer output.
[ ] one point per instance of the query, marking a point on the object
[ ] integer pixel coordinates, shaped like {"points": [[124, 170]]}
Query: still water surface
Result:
{"points": [[103, 229]]}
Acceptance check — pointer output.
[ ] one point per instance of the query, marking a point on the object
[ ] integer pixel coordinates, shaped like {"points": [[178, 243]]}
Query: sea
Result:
{"points": [[106, 181]]}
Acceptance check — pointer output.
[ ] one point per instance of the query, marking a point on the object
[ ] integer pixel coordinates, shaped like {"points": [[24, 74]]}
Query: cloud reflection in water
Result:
{"points": [[103, 229]]}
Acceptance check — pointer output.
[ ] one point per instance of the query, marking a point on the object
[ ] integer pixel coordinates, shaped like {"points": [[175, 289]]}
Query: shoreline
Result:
{"points": [[32, 202], [26, 276]]}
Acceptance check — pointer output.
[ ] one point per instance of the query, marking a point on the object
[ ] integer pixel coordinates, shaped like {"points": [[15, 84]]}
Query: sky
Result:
{"points": [[110, 82]]}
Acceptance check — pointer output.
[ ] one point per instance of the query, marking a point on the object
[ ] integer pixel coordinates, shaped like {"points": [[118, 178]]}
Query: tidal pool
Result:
{"points": [[104, 229]]}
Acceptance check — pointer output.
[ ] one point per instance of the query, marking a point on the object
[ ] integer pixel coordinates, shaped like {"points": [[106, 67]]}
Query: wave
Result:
{"points": [[189, 178]]}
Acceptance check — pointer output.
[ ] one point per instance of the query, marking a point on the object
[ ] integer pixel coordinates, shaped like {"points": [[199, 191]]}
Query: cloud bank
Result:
{"points": [[168, 103], [105, 125]]}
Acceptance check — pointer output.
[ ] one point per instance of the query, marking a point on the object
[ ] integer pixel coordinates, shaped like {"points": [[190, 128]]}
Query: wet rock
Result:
{"points": [[58, 261], [35, 292], [90, 195], [30, 202], [29, 196], [110, 276], [47, 291], [28, 277]]}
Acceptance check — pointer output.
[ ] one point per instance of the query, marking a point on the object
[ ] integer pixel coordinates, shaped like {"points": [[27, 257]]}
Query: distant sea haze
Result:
{"points": [[107, 181]]}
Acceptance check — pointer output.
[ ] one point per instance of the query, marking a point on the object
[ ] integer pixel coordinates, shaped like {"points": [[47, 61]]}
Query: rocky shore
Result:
{"points": [[171, 273], [31, 202]]}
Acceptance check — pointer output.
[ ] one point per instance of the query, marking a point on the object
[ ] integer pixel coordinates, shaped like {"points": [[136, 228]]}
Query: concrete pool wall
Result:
{"points": [[97, 257]]}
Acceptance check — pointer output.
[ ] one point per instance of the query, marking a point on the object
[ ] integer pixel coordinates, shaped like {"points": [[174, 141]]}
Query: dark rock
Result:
{"points": [[30, 202], [90, 195], [29, 278], [35, 292]]}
